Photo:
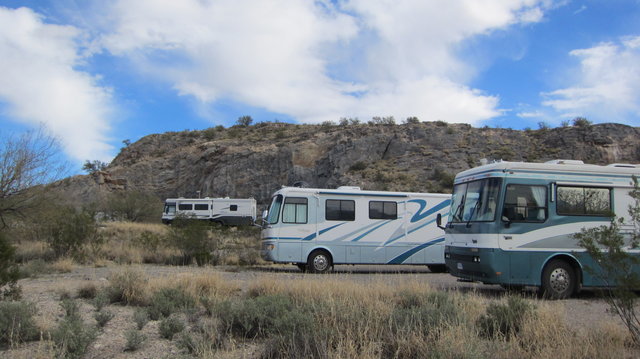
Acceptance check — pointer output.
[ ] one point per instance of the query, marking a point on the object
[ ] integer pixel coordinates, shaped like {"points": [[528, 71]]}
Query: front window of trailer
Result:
{"points": [[475, 201], [170, 208], [274, 209]]}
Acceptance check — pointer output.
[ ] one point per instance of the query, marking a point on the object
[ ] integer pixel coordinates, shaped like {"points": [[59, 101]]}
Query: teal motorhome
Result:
{"points": [[512, 223], [226, 211], [317, 228]]}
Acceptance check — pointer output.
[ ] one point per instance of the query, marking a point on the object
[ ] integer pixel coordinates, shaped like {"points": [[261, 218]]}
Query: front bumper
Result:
{"points": [[476, 264]]}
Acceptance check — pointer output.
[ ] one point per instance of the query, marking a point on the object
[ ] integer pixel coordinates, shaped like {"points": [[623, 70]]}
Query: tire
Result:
{"points": [[437, 268], [302, 266], [559, 280], [319, 262]]}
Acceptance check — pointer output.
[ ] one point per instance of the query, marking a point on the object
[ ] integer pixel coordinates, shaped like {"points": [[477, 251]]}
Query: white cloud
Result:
{"points": [[607, 85], [39, 83], [315, 60]]}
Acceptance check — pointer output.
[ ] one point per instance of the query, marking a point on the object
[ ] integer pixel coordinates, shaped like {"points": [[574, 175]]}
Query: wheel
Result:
{"points": [[559, 280], [302, 266], [319, 262], [437, 268]]}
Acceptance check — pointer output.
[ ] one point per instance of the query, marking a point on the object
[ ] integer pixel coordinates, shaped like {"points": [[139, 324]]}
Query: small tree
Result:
{"points": [[134, 206], [92, 167], [244, 121], [616, 266], [581, 122], [413, 120]]}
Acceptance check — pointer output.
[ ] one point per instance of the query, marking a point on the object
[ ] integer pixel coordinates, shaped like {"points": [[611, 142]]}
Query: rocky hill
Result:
{"points": [[255, 161]]}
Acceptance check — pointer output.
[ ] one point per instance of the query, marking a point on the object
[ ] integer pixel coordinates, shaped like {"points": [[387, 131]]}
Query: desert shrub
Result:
{"points": [[135, 339], [170, 326], [263, 316], [358, 166], [88, 291], [16, 323], [70, 230], [413, 120], [581, 122], [128, 286], [167, 301], [103, 317], [141, 317], [204, 340], [504, 319], [100, 300], [9, 272], [192, 238], [72, 336], [134, 206]]}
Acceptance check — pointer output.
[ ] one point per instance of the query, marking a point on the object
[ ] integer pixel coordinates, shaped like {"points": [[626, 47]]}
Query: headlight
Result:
{"points": [[269, 247]]}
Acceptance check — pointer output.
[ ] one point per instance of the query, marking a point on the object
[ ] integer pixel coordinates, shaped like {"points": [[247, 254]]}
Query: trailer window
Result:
{"points": [[274, 209], [340, 210], [525, 203], [383, 210], [185, 206], [583, 201], [295, 210], [201, 207], [233, 208]]}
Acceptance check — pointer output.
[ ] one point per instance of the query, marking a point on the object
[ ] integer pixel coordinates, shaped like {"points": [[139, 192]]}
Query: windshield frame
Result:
{"points": [[484, 198], [276, 200]]}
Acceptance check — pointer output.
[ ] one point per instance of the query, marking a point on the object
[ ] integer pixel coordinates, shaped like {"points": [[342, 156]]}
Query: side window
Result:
{"points": [[233, 207], [525, 203], [583, 201], [340, 210], [201, 207], [383, 210], [185, 207], [295, 210]]}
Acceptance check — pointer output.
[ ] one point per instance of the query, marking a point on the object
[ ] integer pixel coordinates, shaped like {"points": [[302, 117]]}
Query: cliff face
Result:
{"points": [[255, 161]]}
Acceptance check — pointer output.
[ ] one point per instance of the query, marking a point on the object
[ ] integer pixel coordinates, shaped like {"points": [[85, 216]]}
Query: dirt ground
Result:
{"points": [[45, 291]]}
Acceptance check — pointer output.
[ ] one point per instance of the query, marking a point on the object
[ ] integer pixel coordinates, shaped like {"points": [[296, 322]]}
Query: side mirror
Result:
{"points": [[439, 221], [265, 214]]}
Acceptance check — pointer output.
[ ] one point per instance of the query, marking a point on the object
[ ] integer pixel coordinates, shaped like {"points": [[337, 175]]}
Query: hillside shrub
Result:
{"points": [[70, 230], [141, 318], [135, 340], [16, 323], [128, 286]]}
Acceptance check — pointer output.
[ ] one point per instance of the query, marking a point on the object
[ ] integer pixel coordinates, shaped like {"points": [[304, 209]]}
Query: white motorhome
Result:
{"points": [[317, 228], [512, 223], [226, 211]]}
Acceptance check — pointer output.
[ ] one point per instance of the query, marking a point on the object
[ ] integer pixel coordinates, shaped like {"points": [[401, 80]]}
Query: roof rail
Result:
{"points": [[565, 162], [354, 188]]}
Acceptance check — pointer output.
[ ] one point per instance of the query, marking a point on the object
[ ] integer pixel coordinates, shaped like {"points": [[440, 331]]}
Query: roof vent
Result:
{"points": [[300, 184], [565, 162], [352, 188], [622, 165]]}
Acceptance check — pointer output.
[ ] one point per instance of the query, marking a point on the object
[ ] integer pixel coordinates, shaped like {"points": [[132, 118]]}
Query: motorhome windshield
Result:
{"points": [[274, 209], [475, 201], [170, 208]]}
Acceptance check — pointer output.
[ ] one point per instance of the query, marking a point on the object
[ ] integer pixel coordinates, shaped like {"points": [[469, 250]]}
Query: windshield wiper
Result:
{"points": [[473, 211]]}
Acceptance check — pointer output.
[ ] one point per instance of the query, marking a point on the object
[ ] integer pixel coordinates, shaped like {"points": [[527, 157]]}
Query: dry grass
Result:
{"points": [[63, 265]]}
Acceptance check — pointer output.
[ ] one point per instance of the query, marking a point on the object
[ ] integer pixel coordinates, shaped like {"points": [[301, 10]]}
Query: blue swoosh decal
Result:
{"points": [[423, 204], [404, 256]]}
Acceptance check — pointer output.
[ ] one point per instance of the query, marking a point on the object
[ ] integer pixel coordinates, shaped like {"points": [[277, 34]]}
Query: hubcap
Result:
{"points": [[559, 280], [320, 262]]}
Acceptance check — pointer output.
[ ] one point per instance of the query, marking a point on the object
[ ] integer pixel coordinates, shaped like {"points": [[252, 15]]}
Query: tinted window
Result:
{"points": [[340, 210], [583, 201], [383, 210], [295, 210], [201, 207], [525, 203], [185, 207], [233, 207]]}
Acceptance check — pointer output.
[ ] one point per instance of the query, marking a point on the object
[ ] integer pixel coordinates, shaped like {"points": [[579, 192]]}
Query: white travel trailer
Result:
{"points": [[226, 211], [512, 223], [317, 228]]}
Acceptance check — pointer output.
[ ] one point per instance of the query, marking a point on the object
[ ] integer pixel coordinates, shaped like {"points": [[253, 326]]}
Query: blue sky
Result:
{"points": [[98, 72]]}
